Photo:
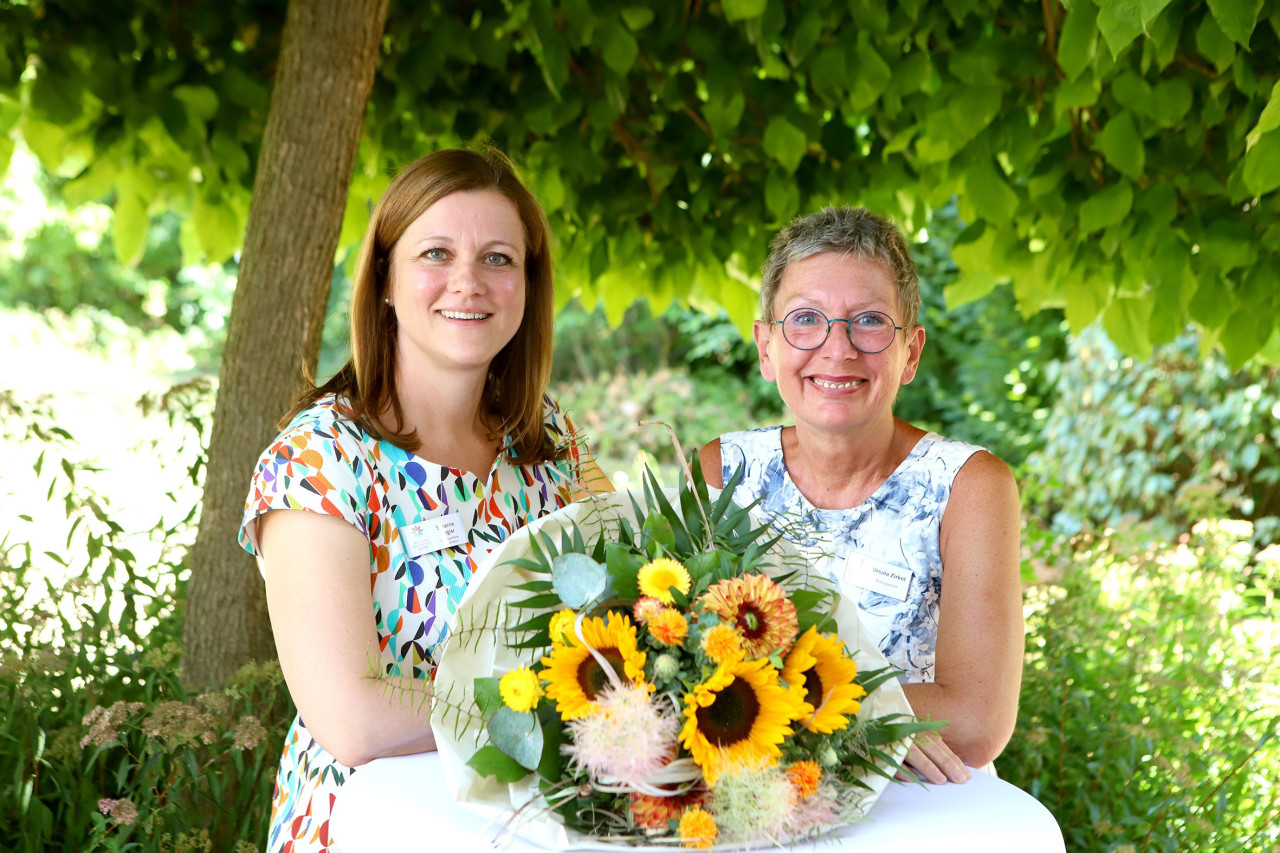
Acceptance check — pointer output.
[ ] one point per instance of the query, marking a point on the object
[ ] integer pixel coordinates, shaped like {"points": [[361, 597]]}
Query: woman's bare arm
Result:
{"points": [[317, 575]]}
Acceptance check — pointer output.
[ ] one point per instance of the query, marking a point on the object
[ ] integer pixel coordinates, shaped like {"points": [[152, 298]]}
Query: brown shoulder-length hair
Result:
{"points": [[514, 392]]}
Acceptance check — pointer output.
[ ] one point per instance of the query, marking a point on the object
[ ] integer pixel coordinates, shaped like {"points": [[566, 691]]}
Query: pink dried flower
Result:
{"points": [[104, 723], [249, 732], [815, 812], [645, 608], [178, 722], [121, 811], [630, 738]]}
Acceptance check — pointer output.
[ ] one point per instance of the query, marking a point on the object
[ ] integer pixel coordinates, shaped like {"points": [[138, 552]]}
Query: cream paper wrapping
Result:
{"points": [[473, 654]]}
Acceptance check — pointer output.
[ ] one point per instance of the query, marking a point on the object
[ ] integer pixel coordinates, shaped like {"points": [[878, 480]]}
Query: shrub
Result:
{"points": [[1166, 439], [103, 747], [1151, 694]]}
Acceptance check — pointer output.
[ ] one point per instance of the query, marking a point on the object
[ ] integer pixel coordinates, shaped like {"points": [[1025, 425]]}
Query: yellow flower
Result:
{"points": [[804, 777], [697, 828], [657, 578], [818, 667], [561, 628], [738, 717], [574, 677], [759, 609], [669, 627], [520, 690]]}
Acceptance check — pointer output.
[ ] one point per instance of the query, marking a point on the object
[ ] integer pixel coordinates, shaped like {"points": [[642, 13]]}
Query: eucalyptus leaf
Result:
{"points": [[519, 736], [578, 579]]}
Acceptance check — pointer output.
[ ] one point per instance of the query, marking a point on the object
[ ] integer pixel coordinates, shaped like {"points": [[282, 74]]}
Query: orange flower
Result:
{"points": [[759, 609], [653, 812], [669, 627], [697, 828], [722, 644], [804, 777]]}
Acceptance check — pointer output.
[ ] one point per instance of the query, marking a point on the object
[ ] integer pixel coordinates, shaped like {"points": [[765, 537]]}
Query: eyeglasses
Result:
{"points": [[870, 332]]}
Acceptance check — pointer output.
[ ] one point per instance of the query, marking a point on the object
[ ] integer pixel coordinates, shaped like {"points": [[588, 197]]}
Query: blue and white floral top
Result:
{"points": [[895, 529]]}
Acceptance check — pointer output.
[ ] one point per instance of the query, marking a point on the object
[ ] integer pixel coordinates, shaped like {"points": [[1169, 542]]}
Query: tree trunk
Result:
{"points": [[328, 55]]}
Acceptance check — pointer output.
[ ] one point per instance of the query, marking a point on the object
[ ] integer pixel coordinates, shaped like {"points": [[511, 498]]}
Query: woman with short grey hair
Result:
{"points": [[884, 508]]}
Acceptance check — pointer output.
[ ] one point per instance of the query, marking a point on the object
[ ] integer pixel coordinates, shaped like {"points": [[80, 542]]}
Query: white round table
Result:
{"points": [[403, 804]]}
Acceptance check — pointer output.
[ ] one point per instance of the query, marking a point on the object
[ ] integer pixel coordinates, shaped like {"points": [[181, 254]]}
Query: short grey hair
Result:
{"points": [[847, 231]]}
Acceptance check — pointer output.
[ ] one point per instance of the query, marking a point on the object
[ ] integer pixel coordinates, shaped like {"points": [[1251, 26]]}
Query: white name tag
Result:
{"points": [[884, 578], [433, 534]]}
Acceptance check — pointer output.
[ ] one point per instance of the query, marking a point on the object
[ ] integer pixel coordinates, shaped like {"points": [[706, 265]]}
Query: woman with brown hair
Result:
{"points": [[433, 444]]}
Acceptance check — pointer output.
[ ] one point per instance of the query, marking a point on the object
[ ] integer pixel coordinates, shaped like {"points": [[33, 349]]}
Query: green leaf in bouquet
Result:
{"points": [[517, 735], [691, 508], [546, 599], [709, 565], [809, 610], [553, 762], [571, 541], [579, 579], [534, 586], [624, 567], [531, 565], [659, 534], [872, 678], [490, 761], [884, 730], [488, 696], [540, 623], [681, 545]]}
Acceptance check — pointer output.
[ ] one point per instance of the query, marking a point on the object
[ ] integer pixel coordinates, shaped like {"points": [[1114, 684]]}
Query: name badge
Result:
{"points": [[433, 534], [884, 578]]}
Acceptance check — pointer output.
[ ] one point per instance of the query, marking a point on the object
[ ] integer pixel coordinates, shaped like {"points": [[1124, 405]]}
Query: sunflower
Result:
{"points": [[738, 716], [759, 609], [574, 677], [818, 666], [657, 577]]}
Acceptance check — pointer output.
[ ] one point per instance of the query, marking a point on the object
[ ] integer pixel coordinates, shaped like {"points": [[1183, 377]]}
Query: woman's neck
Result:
{"points": [[839, 470], [445, 413]]}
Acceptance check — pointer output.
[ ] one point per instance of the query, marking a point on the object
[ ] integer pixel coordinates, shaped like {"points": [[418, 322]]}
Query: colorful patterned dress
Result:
{"points": [[897, 528], [323, 462]]}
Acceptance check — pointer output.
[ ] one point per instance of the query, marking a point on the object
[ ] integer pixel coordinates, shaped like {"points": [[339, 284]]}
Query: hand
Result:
{"points": [[933, 761]]}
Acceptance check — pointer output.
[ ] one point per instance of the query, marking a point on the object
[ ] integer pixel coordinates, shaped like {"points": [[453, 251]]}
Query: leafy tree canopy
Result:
{"points": [[1118, 159]]}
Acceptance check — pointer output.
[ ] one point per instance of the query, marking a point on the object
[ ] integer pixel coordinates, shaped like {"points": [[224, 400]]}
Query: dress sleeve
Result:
{"points": [[310, 466]]}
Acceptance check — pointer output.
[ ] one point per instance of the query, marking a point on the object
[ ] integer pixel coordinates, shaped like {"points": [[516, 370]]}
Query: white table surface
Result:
{"points": [[402, 804]]}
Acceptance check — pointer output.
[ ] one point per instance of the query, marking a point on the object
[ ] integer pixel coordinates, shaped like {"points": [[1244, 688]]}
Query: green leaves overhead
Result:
{"points": [[668, 142]]}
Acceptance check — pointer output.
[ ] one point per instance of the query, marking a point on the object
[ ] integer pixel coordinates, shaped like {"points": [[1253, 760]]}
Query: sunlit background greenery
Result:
{"points": [[1151, 496]]}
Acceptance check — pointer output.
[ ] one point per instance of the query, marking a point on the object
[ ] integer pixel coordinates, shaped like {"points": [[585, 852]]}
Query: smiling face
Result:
{"points": [[836, 388], [457, 284]]}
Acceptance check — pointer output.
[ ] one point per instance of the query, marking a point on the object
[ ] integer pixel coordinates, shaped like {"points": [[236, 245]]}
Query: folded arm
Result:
{"points": [[317, 575], [978, 666]]}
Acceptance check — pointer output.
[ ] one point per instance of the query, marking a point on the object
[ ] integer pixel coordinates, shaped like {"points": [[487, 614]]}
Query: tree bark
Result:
{"points": [[328, 55]]}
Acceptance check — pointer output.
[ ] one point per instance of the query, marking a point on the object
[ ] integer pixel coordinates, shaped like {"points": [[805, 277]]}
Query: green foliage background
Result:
{"points": [[1148, 714], [1115, 160]]}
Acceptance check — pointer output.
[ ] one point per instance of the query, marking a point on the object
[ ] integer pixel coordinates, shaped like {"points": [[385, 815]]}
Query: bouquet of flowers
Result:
{"points": [[654, 668]]}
